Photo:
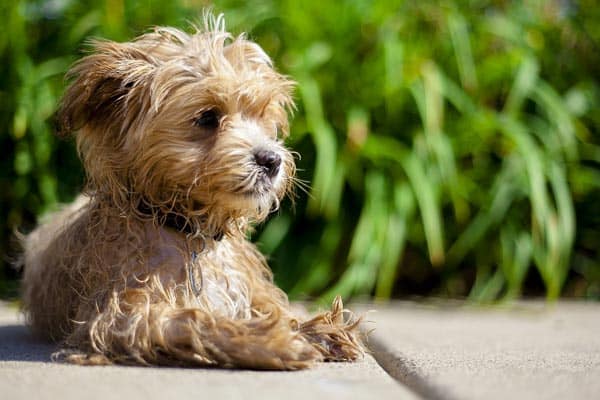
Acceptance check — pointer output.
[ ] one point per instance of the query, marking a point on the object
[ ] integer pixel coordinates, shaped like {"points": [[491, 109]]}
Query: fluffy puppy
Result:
{"points": [[181, 137]]}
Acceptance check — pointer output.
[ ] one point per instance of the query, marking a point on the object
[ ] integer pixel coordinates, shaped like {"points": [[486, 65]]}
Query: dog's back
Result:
{"points": [[48, 294]]}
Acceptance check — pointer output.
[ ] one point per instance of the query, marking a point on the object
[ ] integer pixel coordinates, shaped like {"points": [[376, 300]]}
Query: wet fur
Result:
{"points": [[109, 278]]}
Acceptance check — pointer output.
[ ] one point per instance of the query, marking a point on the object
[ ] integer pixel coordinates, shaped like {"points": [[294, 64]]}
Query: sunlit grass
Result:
{"points": [[455, 138]]}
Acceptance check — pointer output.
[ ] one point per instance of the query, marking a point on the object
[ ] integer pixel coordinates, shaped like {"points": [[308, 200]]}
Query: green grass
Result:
{"points": [[452, 148]]}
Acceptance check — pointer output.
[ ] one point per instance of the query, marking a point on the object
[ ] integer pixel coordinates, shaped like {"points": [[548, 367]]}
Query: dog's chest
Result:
{"points": [[219, 282], [214, 278]]}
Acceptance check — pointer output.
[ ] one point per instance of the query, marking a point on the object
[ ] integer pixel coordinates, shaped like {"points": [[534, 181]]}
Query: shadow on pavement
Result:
{"points": [[17, 344]]}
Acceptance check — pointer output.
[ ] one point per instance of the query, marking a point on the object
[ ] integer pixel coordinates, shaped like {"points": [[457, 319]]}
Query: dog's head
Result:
{"points": [[190, 124]]}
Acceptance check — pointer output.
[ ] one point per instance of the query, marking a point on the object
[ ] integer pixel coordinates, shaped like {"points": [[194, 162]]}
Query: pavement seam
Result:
{"points": [[406, 371]]}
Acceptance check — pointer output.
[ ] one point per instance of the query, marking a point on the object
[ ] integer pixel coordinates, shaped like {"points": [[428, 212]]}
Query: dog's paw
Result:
{"points": [[263, 344], [291, 353], [297, 354], [334, 333]]}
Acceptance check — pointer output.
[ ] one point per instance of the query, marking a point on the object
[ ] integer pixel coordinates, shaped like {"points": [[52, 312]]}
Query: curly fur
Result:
{"points": [[110, 277]]}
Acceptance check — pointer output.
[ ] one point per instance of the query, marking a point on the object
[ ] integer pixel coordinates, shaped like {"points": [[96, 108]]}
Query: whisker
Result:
{"points": [[302, 185]]}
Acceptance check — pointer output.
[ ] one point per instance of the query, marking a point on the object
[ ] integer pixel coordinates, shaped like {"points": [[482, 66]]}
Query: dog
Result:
{"points": [[181, 138]]}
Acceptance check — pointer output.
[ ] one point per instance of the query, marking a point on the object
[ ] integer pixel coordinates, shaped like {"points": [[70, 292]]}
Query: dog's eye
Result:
{"points": [[209, 119]]}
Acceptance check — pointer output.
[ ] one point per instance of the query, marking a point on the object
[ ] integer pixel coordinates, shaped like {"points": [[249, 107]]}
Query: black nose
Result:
{"points": [[269, 160]]}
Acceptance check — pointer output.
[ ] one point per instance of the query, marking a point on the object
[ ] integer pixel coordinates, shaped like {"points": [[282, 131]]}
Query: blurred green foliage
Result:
{"points": [[452, 147]]}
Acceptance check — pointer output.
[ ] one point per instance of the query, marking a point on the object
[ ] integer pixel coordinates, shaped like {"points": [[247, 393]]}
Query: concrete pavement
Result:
{"points": [[436, 351], [526, 351], [27, 373]]}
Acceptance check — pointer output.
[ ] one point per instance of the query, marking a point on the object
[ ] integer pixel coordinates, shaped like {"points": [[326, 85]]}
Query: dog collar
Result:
{"points": [[173, 221]]}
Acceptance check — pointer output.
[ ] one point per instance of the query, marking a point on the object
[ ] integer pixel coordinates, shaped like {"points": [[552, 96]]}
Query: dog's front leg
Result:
{"points": [[135, 328]]}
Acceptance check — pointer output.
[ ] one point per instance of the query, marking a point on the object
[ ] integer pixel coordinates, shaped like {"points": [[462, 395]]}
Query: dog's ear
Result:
{"points": [[100, 85]]}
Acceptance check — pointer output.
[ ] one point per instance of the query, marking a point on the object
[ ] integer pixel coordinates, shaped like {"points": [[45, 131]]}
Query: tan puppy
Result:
{"points": [[181, 138]]}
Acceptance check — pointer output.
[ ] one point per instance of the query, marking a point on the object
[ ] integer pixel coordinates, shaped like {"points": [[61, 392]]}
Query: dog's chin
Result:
{"points": [[255, 206], [255, 202], [252, 196], [262, 199]]}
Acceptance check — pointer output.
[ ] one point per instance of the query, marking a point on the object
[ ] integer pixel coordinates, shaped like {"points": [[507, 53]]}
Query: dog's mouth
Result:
{"points": [[258, 182], [257, 193]]}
